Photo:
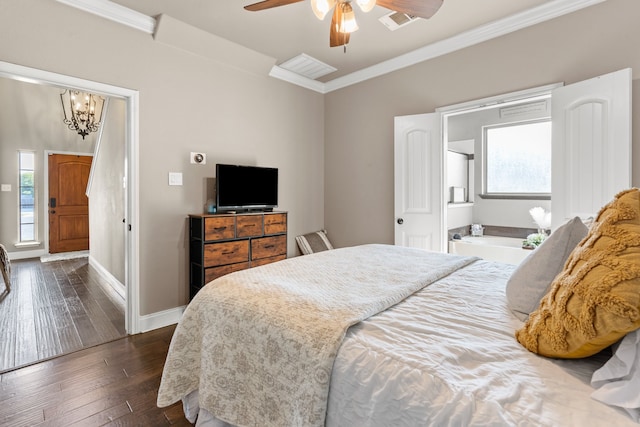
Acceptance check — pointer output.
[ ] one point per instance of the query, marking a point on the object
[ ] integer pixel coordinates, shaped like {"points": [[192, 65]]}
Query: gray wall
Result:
{"points": [[218, 100], [339, 146], [27, 122], [107, 195], [359, 119]]}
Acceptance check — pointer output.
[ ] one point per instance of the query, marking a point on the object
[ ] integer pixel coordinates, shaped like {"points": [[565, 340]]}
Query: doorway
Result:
{"points": [[60, 303], [591, 144], [498, 184], [131, 102]]}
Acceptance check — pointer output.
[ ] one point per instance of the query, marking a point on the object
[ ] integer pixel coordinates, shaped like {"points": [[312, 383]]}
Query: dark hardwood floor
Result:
{"points": [[113, 384], [55, 308]]}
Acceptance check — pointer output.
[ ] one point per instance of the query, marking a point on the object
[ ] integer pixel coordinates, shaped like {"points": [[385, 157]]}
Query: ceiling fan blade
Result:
{"points": [[336, 38], [422, 8], [268, 4]]}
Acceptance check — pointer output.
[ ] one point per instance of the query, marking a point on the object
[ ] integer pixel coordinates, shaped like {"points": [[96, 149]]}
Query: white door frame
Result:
{"points": [[132, 238]]}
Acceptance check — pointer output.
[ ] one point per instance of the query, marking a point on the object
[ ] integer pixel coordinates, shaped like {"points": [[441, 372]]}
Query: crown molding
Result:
{"points": [[297, 79], [115, 12], [536, 15], [545, 12]]}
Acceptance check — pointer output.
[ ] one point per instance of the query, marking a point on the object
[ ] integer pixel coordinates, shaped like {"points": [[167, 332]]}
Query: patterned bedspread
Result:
{"points": [[259, 344]]}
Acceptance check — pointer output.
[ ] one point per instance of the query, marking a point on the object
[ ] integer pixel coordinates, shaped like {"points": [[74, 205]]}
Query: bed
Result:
{"points": [[381, 335]]}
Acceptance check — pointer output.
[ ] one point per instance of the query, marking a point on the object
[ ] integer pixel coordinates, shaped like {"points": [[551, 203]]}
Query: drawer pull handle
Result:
{"points": [[228, 253], [269, 246], [220, 228]]}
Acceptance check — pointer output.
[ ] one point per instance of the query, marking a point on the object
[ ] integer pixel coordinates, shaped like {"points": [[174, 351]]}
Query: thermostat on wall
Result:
{"points": [[198, 158]]}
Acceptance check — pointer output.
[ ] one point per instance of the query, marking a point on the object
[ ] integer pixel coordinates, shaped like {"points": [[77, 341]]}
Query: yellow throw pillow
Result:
{"points": [[595, 300]]}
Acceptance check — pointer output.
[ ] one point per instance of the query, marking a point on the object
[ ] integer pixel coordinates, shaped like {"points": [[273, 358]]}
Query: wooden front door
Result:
{"points": [[68, 203]]}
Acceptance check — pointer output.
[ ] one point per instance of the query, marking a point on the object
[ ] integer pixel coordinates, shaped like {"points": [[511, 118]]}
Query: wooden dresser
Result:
{"points": [[223, 243]]}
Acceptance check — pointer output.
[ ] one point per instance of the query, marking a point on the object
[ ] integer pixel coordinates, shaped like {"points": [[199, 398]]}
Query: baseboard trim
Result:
{"points": [[115, 284], [37, 253], [148, 322], [160, 319]]}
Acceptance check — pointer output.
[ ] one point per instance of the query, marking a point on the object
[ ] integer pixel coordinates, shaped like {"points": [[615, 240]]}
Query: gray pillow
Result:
{"points": [[531, 280], [313, 242]]}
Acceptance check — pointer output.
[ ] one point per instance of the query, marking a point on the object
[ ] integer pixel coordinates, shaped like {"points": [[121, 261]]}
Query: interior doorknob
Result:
{"points": [[400, 221]]}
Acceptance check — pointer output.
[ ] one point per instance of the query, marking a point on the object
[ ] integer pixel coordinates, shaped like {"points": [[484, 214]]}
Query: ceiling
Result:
{"points": [[287, 31]]}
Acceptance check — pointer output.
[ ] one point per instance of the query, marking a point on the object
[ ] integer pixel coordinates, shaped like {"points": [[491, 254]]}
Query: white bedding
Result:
{"points": [[259, 344], [447, 356]]}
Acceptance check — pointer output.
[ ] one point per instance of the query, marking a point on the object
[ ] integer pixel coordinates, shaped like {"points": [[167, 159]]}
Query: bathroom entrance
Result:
{"points": [[423, 195]]}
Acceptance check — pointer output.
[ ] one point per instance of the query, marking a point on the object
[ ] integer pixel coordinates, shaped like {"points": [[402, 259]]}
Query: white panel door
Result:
{"points": [[418, 182], [591, 157]]}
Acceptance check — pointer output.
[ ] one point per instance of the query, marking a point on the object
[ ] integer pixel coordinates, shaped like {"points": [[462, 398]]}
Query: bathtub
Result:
{"points": [[493, 248]]}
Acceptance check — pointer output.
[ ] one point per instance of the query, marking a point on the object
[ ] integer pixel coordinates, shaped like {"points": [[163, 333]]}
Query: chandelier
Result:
{"points": [[82, 111]]}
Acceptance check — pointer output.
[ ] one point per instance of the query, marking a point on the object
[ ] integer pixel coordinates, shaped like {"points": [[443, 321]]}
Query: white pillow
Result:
{"points": [[618, 381], [531, 280]]}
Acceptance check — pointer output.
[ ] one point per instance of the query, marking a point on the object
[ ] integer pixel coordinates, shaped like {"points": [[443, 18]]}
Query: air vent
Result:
{"points": [[524, 109], [395, 20], [307, 66]]}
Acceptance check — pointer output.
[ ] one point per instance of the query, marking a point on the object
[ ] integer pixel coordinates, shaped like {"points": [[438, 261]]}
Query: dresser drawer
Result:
{"points": [[263, 261], [248, 225], [266, 247], [215, 272], [226, 253], [275, 223], [218, 228], [222, 243]]}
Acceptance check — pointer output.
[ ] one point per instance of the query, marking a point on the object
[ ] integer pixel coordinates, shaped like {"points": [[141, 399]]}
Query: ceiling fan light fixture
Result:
{"points": [[343, 21], [366, 5], [348, 22], [322, 7]]}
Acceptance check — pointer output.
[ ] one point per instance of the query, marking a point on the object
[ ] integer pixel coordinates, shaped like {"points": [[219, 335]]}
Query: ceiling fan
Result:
{"points": [[343, 21]]}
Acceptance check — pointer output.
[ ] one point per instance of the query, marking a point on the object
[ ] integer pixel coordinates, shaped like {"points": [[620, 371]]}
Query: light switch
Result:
{"points": [[5, 187], [175, 178]]}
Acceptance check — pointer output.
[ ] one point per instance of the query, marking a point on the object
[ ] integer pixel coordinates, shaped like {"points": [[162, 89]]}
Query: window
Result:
{"points": [[517, 160], [27, 211]]}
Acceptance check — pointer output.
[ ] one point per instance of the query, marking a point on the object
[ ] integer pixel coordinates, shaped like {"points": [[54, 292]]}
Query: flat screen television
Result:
{"points": [[246, 187]]}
